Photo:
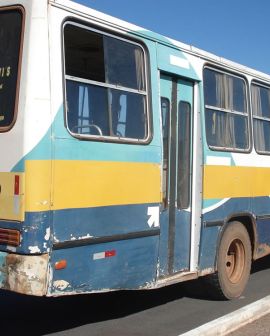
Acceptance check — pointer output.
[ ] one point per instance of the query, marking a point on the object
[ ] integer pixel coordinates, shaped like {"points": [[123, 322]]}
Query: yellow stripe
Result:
{"points": [[38, 180], [79, 184], [11, 206], [226, 181]]}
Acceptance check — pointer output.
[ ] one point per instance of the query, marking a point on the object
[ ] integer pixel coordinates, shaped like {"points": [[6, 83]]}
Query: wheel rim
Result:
{"points": [[235, 261]]}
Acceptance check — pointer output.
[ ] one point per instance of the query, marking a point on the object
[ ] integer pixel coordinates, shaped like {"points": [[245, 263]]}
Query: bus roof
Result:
{"points": [[88, 12]]}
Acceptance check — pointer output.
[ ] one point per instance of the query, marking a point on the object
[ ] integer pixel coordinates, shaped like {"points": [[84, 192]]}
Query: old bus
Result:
{"points": [[128, 160]]}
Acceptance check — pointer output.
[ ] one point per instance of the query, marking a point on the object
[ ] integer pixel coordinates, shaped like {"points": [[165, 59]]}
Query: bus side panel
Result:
{"points": [[242, 191], [127, 264]]}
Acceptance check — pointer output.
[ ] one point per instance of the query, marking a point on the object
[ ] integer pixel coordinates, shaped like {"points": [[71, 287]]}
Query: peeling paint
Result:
{"points": [[61, 285], [80, 238], [48, 234], [34, 249], [44, 202], [85, 237], [56, 240], [11, 248], [24, 274]]}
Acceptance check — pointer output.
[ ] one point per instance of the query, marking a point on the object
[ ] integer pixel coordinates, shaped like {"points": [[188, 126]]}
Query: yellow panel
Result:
{"points": [[38, 185], [225, 181], [11, 205], [79, 184]]}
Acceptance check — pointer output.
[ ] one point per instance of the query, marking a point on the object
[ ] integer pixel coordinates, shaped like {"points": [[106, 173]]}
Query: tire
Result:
{"points": [[233, 263]]}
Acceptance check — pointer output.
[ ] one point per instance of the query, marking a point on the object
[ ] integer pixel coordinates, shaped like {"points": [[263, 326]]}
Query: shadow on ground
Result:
{"points": [[40, 316]]}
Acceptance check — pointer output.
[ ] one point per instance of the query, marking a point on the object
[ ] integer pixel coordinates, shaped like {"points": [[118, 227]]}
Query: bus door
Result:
{"points": [[176, 97]]}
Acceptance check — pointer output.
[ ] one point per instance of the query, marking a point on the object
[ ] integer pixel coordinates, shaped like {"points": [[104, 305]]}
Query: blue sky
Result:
{"points": [[234, 29]]}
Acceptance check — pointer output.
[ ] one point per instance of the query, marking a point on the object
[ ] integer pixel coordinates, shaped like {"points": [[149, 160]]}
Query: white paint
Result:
{"points": [[215, 206], [61, 284], [153, 212], [100, 255], [48, 234], [85, 237], [179, 62], [34, 249], [253, 159], [218, 161], [233, 321], [11, 248], [197, 160], [16, 204], [44, 202]]}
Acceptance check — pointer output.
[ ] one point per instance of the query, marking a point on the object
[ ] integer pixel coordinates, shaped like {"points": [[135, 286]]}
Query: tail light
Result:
{"points": [[9, 237]]}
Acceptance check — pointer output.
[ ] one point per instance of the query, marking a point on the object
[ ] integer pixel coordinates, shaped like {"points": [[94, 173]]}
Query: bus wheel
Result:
{"points": [[233, 262]]}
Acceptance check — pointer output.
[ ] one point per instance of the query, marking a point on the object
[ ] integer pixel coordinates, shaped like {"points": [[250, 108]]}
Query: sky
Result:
{"points": [[238, 30]]}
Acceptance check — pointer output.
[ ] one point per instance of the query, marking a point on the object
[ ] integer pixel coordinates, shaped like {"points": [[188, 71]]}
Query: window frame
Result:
{"points": [[146, 93], [21, 9], [266, 86], [247, 114]]}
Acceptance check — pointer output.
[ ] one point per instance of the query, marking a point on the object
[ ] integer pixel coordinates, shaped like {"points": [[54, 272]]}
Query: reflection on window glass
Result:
{"points": [[226, 129], [261, 117], [226, 115], [89, 105], [105, 85], [10, 40]]}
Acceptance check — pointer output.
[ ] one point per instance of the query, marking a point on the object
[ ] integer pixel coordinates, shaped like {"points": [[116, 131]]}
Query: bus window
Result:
{"points": [[261, 117], [165, 114], [10, 42], [226, 113], [105, 85]]}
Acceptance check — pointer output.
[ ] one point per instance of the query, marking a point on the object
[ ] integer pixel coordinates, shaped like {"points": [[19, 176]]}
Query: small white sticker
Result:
{"points": [[16, 204], [100, 255], [179, 62], [153, 212]]}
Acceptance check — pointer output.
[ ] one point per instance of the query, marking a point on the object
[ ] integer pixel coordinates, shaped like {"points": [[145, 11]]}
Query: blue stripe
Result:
{"points": [[107, 221]]}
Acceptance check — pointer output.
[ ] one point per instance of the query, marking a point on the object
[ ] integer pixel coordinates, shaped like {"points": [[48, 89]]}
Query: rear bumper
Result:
{"points": [[24, 274]]}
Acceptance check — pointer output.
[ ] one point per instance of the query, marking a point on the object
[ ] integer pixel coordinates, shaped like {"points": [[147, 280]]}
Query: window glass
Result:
{"points": [[124, 64], [226, 117], [226, 130], [105, 85], [10, 41], [165, 115], [89, 105], [184, 152], [261, 117]]}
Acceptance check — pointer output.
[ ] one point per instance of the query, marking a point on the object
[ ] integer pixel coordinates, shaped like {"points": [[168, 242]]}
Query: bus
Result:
{"points": [[128, 160]]}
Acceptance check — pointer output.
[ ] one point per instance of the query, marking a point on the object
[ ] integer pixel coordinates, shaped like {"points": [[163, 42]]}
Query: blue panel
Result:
{"points": [[3, 274], [263, 231], [101, 221], [208, 247], [164, 241], [182, 241], [165, 63], [35, 231], [133, 266]]}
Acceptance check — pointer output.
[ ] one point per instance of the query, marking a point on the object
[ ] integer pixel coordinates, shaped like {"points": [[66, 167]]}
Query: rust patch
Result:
{"points": [[26, 274], [262, 250]]}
